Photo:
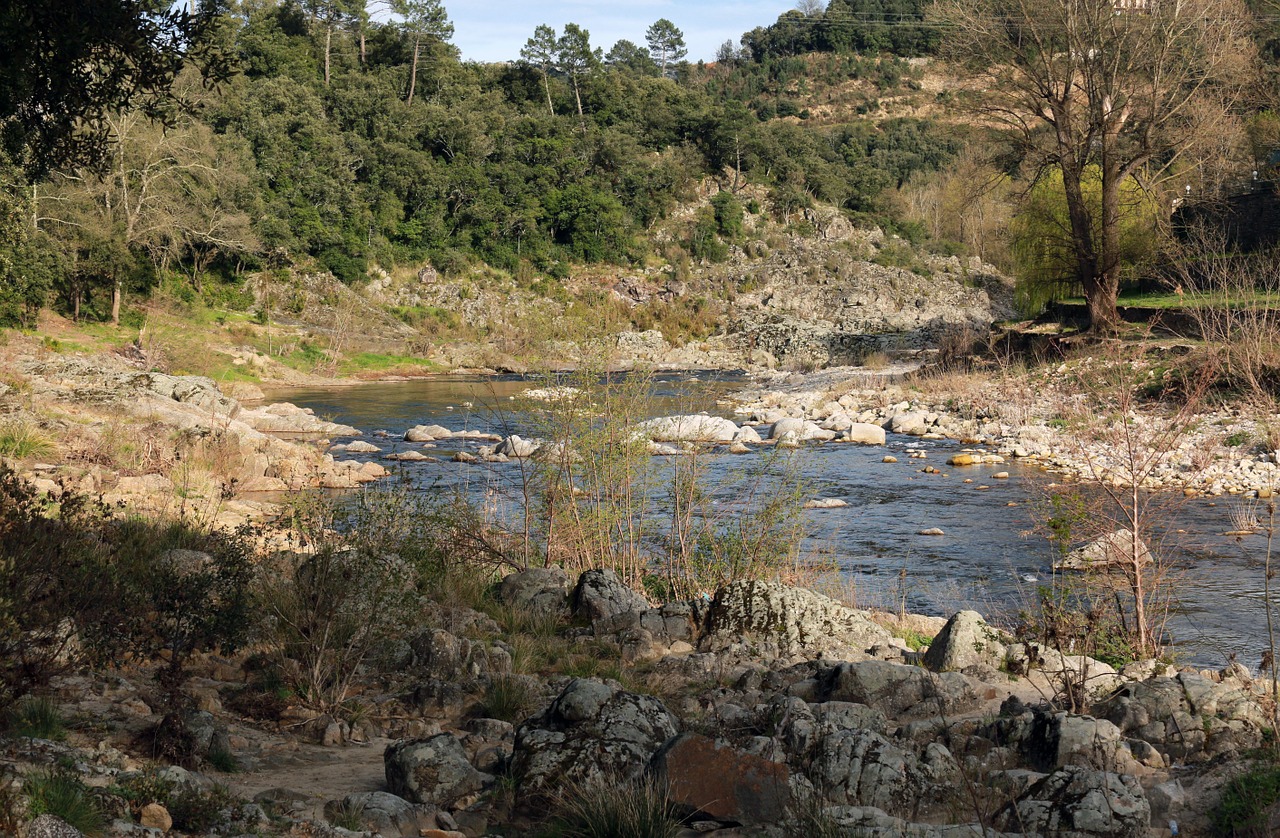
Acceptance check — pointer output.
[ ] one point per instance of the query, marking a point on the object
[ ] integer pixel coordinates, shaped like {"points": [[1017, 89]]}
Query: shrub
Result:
{"points": [[507, 698], [22, 440], [61, 793], [187, 592], [53, 569], [196, 811], [37, 717], [328, 610], [602, 809], [1246, 802]]}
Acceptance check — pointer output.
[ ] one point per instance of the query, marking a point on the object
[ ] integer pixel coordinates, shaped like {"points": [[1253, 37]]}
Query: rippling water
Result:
{"points": [[990, 558]]}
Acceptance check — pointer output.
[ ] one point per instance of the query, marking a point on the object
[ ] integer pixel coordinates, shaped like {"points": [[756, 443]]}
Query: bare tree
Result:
{"points": [[1130, 89]]}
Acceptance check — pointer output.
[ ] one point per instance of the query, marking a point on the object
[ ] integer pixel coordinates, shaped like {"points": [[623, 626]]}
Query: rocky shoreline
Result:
{"points": [[762, 709], [765, 710], [1214, 452]]}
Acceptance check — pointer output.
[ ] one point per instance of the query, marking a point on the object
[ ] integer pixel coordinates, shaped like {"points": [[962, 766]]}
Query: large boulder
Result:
{"points": [[897, 690], [868, 820], [383, 813], [965, 641], [864, 433], [1049, 740], [913, 423], [1115, 549], [1077, 676], [800, 430], [51, 826], [434, 770], [517, 446], [695, 428], [592, 731], [802, 726], [1077, 802], [770, 620], [427, 433], [714, 778], [601, 596], [862, 768], [541, 589]]}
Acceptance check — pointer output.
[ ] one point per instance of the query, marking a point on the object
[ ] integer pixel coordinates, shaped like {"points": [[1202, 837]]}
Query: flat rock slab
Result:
{"points": [[716, 779]]}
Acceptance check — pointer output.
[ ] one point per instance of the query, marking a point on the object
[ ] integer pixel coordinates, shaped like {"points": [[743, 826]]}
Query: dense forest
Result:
{"points": [[343, 142], [327, 139]]}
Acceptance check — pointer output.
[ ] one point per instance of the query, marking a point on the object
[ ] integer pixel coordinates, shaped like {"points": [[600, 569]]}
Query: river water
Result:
{"points": [[992, 556]]}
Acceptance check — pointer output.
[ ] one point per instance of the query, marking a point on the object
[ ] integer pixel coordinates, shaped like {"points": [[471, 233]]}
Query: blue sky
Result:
{"points": [[495, 30]]}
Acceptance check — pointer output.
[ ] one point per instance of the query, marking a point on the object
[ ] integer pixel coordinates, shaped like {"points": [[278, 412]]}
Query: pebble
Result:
{"points": [[932, 531]]}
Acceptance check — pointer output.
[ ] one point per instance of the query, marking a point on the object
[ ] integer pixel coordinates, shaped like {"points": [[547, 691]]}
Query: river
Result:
{"points": [[992, 556]]}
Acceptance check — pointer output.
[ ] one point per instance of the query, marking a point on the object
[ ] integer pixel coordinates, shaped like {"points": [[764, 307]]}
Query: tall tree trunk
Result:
{"points": [[413, 71], [364, 58], [328, 43], [116, 294], [546, 85], [582, 119]]}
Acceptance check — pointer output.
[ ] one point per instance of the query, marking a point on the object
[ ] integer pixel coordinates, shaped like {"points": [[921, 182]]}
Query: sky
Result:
{"points": [[495, 30]]}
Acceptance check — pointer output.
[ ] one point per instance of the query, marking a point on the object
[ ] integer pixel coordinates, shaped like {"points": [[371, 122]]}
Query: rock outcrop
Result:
{"points": [[434, 771], [770, 621], [592, 731]]}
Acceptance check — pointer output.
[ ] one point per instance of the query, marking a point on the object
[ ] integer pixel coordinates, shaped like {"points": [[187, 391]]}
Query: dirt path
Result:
{"points": [[317, 774]]}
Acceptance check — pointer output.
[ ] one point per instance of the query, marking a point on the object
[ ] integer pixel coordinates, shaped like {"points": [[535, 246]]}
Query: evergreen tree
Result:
{"points": [[666, 44]]}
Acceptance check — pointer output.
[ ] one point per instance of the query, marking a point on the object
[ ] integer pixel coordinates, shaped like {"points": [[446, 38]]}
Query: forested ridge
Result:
{"points": [[313, 149], [327, 139]]}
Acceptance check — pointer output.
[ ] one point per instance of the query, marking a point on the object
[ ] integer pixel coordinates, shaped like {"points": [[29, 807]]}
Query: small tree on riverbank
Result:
{"points": [[1131, 455]]}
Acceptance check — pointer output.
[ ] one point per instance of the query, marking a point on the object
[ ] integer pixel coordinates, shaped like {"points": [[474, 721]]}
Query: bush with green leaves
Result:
{"points": [[1246, 802], [59, 602], [330, 607], [80, 586], [62, 793]]}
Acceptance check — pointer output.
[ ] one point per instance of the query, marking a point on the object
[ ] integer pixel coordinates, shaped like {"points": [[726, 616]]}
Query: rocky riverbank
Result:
{"points": [[1042, 417], [164, 444], [764, 710]]}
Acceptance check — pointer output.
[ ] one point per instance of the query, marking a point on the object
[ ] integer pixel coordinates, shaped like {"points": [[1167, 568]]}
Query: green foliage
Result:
{"points": [[897, 27], [508, 698], [1245, 803], [24, 439], [329, 609], [640, 809], [62, 793], [314, 156], [728, 215], [704, 242], [37, 717], [1043, 248], [1237, 439], [195, 811], [122, 586], [29, 270]]}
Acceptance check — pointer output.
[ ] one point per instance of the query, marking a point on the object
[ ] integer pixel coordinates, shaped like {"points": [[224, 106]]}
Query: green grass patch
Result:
{"points": [[376, 362], [1246, 801], [63, 794], [21, 440], [1170, 300], [37, 717]]}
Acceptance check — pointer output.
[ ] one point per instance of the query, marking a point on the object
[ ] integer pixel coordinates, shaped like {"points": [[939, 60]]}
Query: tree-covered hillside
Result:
{"points": [[337, 140]]}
